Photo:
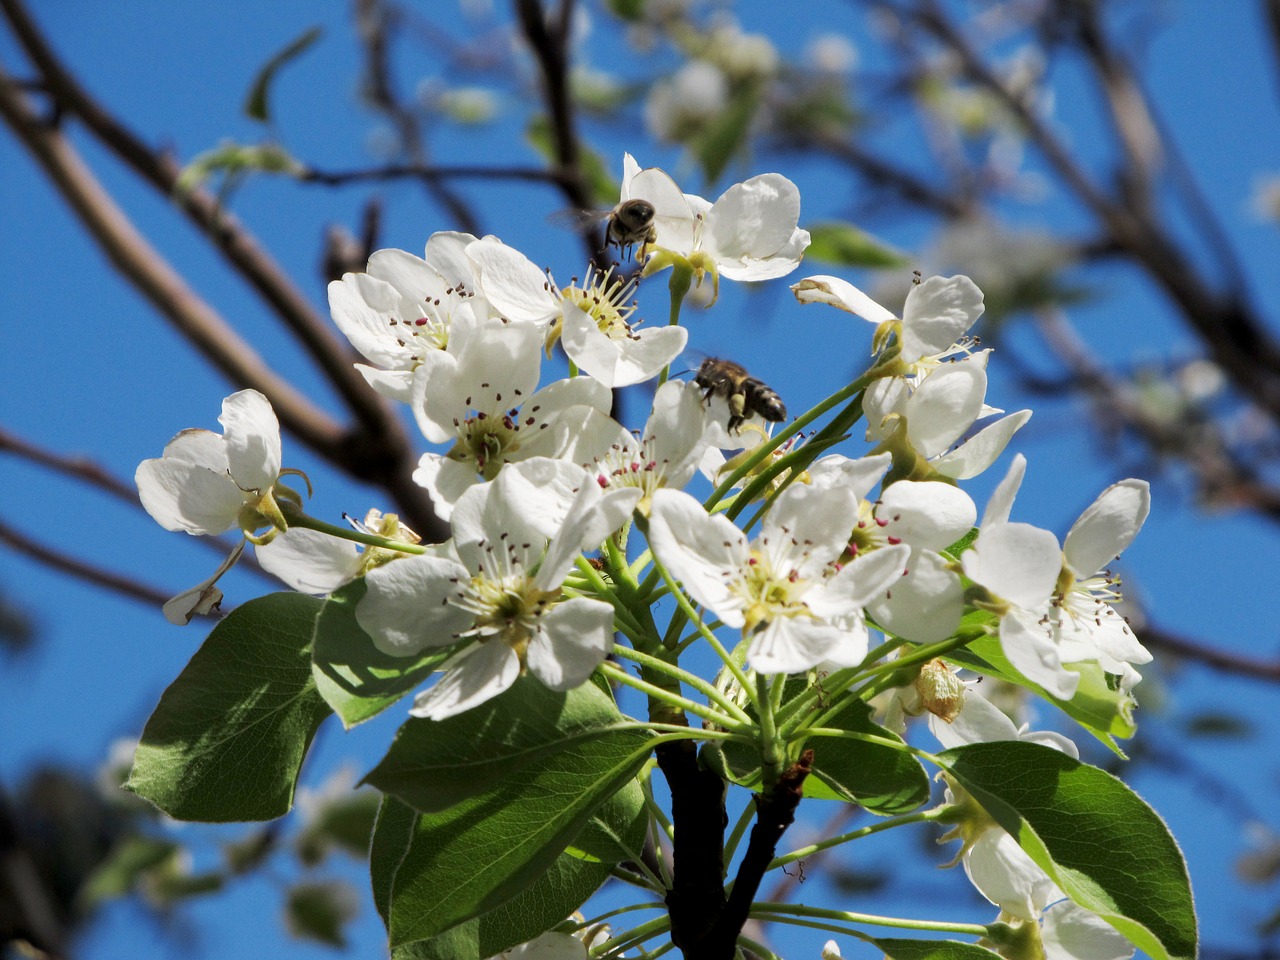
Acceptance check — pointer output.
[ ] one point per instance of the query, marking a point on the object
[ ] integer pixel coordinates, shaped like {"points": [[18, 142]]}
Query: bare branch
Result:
{"points": [[373, 23], [85, 470], [75, 567], [240, 248], [1236, 337], [429, 174], [147, 270], [1268, 671]]}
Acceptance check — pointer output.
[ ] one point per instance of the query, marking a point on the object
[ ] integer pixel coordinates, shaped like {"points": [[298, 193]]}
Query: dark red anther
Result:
{"points": [[421, 322], [894, 541]]}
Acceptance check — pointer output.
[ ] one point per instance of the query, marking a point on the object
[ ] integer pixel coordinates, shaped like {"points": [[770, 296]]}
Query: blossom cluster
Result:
{"points": [[534, 477]]}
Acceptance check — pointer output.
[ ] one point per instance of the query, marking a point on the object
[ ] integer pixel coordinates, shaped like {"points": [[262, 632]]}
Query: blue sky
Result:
{"points": [[92, 370]]}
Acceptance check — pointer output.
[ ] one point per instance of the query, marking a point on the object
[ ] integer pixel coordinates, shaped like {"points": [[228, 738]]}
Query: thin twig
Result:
{"points": [[75, 567]]}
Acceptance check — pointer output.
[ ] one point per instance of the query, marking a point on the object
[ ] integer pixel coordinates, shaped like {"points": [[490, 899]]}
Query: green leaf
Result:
{"points": [[504, 789], [320, 911], [1100, 706], [355, 678], [718, 141], [564, 887], [1096, 838], [129, 861], [843, 244], [896, 949], [255, 104], [434, 765], [604, 188], [882, 779], [228, 737]]}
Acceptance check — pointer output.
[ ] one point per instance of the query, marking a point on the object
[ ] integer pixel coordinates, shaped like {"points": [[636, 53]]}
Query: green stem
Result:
{"points": [[678, 285], [877, 827], [767, 911], [770, 746], [629, 908], [636, 935], [744, 820], [298, 519], [684, 676], [654, 692]]}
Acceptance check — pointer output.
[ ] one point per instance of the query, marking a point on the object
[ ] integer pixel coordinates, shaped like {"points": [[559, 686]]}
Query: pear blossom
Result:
{"points": [[749, 233], [993, 861], [783, 589], [313, 562], [205, 484], [480, 396], [591, 320], [940, 389], [1057, 603], [403, 307], [666, 453], [515, 540]]}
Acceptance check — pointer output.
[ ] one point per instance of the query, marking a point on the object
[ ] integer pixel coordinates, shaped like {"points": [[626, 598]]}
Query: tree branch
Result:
{"points": [[85, 470], [75, 567], [147, 270], [236, 244]]}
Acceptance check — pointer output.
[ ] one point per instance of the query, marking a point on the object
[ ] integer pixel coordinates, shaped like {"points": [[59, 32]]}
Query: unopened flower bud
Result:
{"points": [[830, 950], [941, 691]]}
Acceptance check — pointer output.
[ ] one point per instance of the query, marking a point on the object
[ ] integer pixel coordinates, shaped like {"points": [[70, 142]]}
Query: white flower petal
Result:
{"points": [[512, 283], [979, 721], [944, 406], [1032, 651], [809, 526], [446, 480], [857, 476], [883, 398], [1001, 503], [673, 218], [202, 448], [477, 675], [572, 640], [926, 604], [927, 515], [792, 645], [981, 450], [1070, 932], [1015, 561], [842, 295], [1107, 526], [411, 277], [621, 362], [404, 609], [698, 549], [938, 312], [446, 253], [859, 582], [182, 496], [362, 308], [309, 561], [393, 384], [753, 219], [1008, 877], [592, 518], [252, 435]]}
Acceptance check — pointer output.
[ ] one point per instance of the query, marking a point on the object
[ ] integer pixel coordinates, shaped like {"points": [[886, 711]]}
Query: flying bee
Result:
{"points": [[627, 224], [744, 393]]}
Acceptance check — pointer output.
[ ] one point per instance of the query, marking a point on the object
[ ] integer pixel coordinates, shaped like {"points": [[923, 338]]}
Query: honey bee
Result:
{"points": [[627, 224], [744, 393]]}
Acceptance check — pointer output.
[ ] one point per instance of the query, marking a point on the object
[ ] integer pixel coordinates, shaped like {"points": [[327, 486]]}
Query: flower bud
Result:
{"points": [[941, 691]]}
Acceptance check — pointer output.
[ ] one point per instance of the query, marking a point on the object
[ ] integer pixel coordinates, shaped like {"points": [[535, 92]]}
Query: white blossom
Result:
{"points": [[749, 233], [783, 589], [516, 539], [592, 320], [479, 395], [205, 484], [403, 307]]}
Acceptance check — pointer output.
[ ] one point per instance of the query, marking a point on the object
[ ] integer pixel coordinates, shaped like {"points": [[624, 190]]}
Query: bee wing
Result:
{"points": [[577, 220]]}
